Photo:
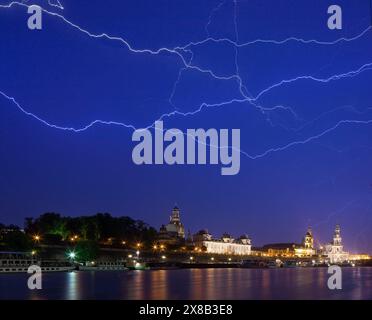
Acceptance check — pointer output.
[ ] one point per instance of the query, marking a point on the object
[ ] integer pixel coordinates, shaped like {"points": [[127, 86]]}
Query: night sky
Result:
{"points": [[307, 163]]}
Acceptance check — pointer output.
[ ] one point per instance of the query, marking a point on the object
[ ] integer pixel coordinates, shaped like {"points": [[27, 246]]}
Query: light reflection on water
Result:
{"points": [[72, 286], [303, 283]]}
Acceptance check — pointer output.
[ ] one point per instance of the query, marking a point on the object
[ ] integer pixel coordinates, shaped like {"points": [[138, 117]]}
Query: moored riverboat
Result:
{"points": [[137, 265], [103, 266], [16, 262]]}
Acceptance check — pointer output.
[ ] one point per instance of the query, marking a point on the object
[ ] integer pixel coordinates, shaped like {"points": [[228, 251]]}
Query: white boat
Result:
{"points": [[103, 266], [137, 265], [16, 262]]}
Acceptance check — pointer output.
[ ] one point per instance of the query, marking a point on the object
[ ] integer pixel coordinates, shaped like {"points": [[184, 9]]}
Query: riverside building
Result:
{"points": [[225, 245], [334, 251], [174, 231], [307, 247]]}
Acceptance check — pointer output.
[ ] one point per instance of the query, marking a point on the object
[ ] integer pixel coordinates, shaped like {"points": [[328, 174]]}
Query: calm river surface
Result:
{"points": [[301, 283]]}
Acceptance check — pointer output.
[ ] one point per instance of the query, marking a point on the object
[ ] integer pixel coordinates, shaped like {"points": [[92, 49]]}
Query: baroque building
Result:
{"points": [[307, 247], [277, 249], [335, 250], [174, 231], [225, 245], [291, 249]]}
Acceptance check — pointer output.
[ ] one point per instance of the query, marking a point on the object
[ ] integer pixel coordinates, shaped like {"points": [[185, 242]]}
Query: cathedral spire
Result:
{"points": [[309, 231], [175, 216], [337, 236]]}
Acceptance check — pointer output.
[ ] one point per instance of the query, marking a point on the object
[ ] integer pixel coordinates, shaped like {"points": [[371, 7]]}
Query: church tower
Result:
{"points": [[175, 216], [337, 240], [335, 250], [309, 239], [174, 231]]}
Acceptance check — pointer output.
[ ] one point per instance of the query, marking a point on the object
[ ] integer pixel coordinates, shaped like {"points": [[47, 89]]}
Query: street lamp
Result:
{"points": [[71, 255]]}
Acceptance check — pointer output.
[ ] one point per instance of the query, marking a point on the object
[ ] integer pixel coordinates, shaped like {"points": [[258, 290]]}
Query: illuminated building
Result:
{"points": [[201, 236], [174, 231], [225, 245], [278, 249], [334, 251], [307, 248], [359, 256]]}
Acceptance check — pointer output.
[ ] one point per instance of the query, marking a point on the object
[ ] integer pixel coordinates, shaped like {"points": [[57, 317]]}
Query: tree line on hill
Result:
{"points": [[101, 229]]}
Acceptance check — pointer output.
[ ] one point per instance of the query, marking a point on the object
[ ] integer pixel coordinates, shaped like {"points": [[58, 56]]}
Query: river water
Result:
{"points": [[298, 283]]}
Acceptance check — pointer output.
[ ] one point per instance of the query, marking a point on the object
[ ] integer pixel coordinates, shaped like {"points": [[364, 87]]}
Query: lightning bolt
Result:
{"points": [[213, 12], [276, 42], [252, 157], [55, 4], [246, 97]]}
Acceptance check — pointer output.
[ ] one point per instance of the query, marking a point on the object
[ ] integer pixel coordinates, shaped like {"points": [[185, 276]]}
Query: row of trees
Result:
{"points": [[52, 228], [99, 227]]}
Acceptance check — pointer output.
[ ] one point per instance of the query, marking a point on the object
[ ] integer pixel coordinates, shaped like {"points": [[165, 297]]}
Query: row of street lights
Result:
{"points": [[138, 245], [73, 238], [72, 254], [37, 238]]}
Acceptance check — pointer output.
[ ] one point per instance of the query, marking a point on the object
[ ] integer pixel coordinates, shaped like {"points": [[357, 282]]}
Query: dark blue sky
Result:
{"points": [[70, 79]]}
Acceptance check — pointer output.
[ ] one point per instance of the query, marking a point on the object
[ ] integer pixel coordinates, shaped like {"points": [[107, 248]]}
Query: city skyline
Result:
{"points": [[305, 129], [187, 232]]}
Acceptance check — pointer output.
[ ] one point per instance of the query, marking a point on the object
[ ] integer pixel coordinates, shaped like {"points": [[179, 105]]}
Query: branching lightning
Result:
{"points": [[188, 64], [56, 5]]}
